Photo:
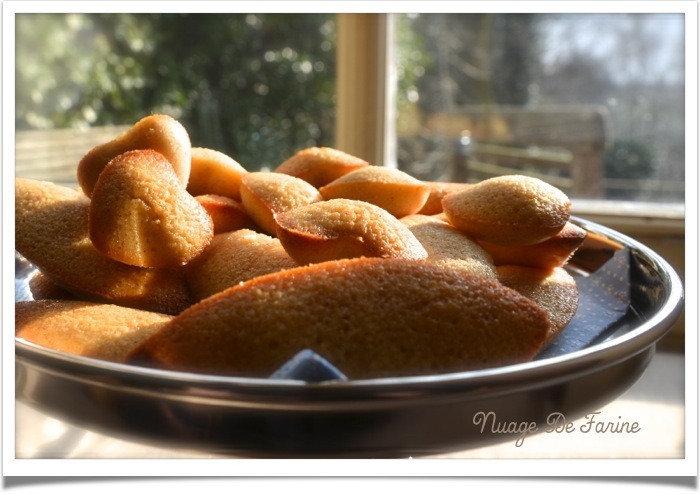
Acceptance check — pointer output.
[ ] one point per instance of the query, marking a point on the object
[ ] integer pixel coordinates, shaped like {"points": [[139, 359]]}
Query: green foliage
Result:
{"points": [[628, 162], [474, 59], [629, 159], [73, 72], [412, 62], [246, 84]]}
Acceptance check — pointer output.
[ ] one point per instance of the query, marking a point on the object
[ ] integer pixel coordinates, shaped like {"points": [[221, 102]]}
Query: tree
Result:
{"points": [[462, 59], [256, 86], [476, 59]]}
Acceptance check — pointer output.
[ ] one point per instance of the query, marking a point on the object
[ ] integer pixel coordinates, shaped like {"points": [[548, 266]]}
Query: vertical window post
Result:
{"points": [[365, 88]]}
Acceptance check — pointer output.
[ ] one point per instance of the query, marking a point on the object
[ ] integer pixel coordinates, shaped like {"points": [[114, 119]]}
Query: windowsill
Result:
{"points": [[635, 208], [633, 217]]}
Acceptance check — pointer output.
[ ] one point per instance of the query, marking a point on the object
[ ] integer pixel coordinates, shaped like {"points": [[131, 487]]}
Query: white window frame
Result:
{"points": [[365, 116]]}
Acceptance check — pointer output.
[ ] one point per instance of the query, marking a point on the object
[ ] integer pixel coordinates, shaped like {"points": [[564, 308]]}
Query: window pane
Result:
{"points": [[258, 87], [593, 103]]}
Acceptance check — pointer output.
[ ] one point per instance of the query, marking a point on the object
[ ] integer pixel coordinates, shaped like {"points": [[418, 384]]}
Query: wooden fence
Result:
{"points": [[53, 154]]}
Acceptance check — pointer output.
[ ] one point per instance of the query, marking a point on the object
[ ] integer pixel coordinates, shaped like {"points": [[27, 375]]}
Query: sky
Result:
{"points": [[646, 47]]}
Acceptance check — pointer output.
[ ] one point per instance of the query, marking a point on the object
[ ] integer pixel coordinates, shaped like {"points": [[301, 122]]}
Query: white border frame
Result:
{"points": [[253, 468]]}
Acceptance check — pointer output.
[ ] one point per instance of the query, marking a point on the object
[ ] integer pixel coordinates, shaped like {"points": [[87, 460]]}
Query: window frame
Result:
{"points": [[365, 117]]}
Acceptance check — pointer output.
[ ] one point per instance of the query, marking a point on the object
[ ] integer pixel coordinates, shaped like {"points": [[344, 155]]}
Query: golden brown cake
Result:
{"points": [[319, 166], [141, 215], [161, 133], [370, 317], [226, 213], [99, 331], [389, 188], [437, 191], [554, 290], [448, 246], [549, 253], [267, 194], [214, 172], [510, 210], [51, 231], [234, 257], [345, 228]]}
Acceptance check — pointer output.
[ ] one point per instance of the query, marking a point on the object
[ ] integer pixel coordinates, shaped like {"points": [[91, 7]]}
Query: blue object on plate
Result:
{"points": [[604, 299], [308, 366]]}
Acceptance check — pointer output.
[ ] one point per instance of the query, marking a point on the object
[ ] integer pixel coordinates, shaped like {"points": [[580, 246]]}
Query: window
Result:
{"points": [[456, 97], [593, 103]]}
